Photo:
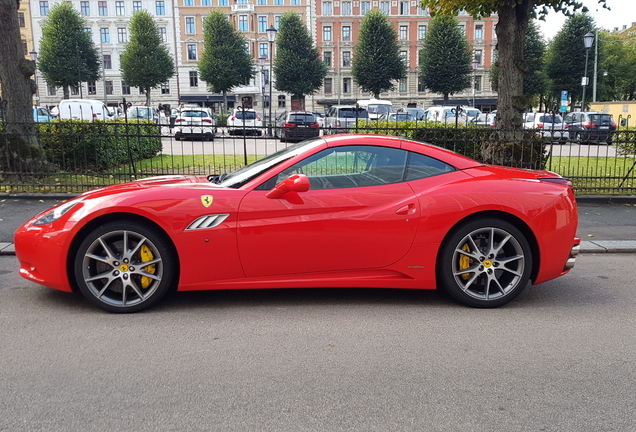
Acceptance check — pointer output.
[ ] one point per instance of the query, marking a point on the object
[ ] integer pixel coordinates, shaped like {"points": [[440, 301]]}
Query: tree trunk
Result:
{"points": [[66, 93], [224, 101], [20, 150], [148, 96], [445, 99]]}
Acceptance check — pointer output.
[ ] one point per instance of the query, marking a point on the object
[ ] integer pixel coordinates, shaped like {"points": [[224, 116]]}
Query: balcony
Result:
{"points": [[243, 8]]}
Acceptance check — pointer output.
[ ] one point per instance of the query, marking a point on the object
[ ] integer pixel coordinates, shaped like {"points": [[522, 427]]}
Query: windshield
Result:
{"points": [[548, 119], [243, 175], [248, 115], [380, 109], [140, 112], [353, 113]]}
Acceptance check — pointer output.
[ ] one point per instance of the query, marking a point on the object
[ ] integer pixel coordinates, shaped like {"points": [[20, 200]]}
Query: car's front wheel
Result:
{"points": [[124, 266], [485, 263]]}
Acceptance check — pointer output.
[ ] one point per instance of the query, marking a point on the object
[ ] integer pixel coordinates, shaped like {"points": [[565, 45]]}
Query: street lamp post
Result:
{"points": [[34, 57], [475, 63], [261, 62], [588, 39], [271, 37]]}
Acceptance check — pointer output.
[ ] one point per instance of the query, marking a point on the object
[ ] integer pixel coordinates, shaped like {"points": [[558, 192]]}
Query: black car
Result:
{"points": [[296, 126], [588, 127]]}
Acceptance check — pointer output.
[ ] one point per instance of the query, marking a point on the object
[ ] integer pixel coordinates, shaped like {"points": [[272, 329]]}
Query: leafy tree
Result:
{"points": [[146, 62], [511, 31], [299, 69], [225, 62], [445, 58], [565, 61], [535, 81], [376, 61], [617, 63], [20, 151], [68, 56]]}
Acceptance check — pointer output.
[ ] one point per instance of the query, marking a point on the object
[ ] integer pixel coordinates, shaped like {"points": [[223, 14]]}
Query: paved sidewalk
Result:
{"points": [[606, 224]]}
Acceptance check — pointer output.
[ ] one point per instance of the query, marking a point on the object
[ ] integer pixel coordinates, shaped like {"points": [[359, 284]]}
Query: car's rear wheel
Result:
{"points": [[485, 263], [124, 266]]}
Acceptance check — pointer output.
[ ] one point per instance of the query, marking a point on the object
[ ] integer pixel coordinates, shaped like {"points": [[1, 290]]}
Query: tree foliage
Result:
{"points": [[445, 58], [535, 81], [565, 62], [146, 61], [376, 62], [225, 62], [513, 16], [68, 56], [298, 68], [617, 63]]}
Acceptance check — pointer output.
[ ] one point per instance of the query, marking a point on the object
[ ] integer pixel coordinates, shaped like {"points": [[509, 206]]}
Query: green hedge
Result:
{"points": [[98, 146]]}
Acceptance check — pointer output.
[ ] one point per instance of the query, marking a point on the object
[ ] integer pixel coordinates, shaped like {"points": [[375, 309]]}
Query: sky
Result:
{"points": [[623, 12]]}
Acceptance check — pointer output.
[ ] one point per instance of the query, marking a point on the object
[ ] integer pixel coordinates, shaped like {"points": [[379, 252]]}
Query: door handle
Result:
{"points": [[406, 210]]}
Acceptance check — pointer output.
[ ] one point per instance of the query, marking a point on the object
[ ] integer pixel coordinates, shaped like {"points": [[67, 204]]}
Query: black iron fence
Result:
{"points": [[71, 157]]}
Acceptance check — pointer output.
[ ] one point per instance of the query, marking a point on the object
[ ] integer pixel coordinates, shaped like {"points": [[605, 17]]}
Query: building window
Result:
{"points": [[295, 2], [192, 51], [120, 10], [21, 19], [478, 83], [262, 2], [479, 32], [122, 35], [125, 88], [103, 8], [90, 33], [327, 8], [277, 22], [420, 87], [44, 8], [243, 23], [421, 11], [85, 8], [108, 64], [165, 88], [421, 32], [51, 90], [263, 50], [205, 2], [327, 58], [222, 2], [136, 6], [160, 7], [104, 34], [328, 85], [266, 76], [109, 88], [194, 79], [346, 33], [404, 32], [404, 56], [385, 7], [478, 55], [326, 33], [281, 101], [92, 87], [404, 8], [190, 25], [346, 8], [189, 3], [346, 59], [365, 7], [402, 85], [164, 34], [262, 24], [278, 2], [346, 85], [462, 29]]}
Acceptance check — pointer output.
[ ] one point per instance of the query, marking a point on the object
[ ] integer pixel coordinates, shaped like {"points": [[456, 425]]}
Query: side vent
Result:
{"points": [[209, 221]]}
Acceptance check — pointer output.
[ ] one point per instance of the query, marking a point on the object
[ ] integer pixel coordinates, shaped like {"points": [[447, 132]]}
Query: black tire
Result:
{"points": [[118, 252], [493, 271]]}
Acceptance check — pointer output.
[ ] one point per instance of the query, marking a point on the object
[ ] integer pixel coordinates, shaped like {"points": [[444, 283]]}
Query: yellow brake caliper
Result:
{"points": [[464, 262], [146, 255]]}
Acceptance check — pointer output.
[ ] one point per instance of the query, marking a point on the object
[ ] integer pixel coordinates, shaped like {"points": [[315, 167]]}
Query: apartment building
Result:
{"points": [[107, 21], [337, 25]]}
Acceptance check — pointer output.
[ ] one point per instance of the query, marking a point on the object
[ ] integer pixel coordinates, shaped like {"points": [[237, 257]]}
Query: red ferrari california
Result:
{"points": [[344, 211]]}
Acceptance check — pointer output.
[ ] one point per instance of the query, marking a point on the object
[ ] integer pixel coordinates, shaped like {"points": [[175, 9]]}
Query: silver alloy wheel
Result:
{"points": [[488, 263], [122, 268]]}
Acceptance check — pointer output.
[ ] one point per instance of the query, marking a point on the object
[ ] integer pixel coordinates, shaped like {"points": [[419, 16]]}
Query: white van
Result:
{"points": [[376, 107], [84, 109]]}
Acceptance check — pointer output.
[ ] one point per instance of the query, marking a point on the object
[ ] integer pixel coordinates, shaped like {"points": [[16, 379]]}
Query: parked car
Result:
{"points": [[339, 118], [320, 117], [471, 113], [296, 126], [247, 121], [445, 114], [143, 112], [397, 117], [486, 119], [590, 127], [195, 123], [550, 126], [358, 211], [83, 109], [418, 113], [42, 114]]}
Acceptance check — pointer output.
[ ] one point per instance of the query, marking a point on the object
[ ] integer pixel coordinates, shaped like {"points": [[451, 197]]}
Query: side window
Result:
{"points": [[530, 117], [420, 166]]}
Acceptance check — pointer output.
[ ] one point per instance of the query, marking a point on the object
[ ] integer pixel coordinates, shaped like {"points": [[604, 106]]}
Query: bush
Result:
{"points": [[625, 141], [98, 146]]}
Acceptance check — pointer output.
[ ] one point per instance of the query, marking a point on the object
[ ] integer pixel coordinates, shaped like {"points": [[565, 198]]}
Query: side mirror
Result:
{"points": [[294, 183]]}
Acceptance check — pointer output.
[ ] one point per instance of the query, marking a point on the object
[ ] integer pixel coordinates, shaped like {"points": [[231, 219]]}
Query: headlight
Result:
{"points": [[56, 213]]}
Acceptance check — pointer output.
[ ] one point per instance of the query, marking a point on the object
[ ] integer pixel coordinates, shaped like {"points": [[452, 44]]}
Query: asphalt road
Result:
{"points": [[560, 358]]}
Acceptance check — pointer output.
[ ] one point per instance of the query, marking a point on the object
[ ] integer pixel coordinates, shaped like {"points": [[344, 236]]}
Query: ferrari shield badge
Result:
{"points": [[206, 200]]}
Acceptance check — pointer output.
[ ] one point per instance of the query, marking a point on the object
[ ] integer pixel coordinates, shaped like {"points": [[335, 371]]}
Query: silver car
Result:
{"points": [[340, 118], [549, 126]]}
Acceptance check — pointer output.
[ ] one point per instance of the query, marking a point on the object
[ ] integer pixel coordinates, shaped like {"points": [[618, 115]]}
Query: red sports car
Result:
{"points": [[344, 211]]}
